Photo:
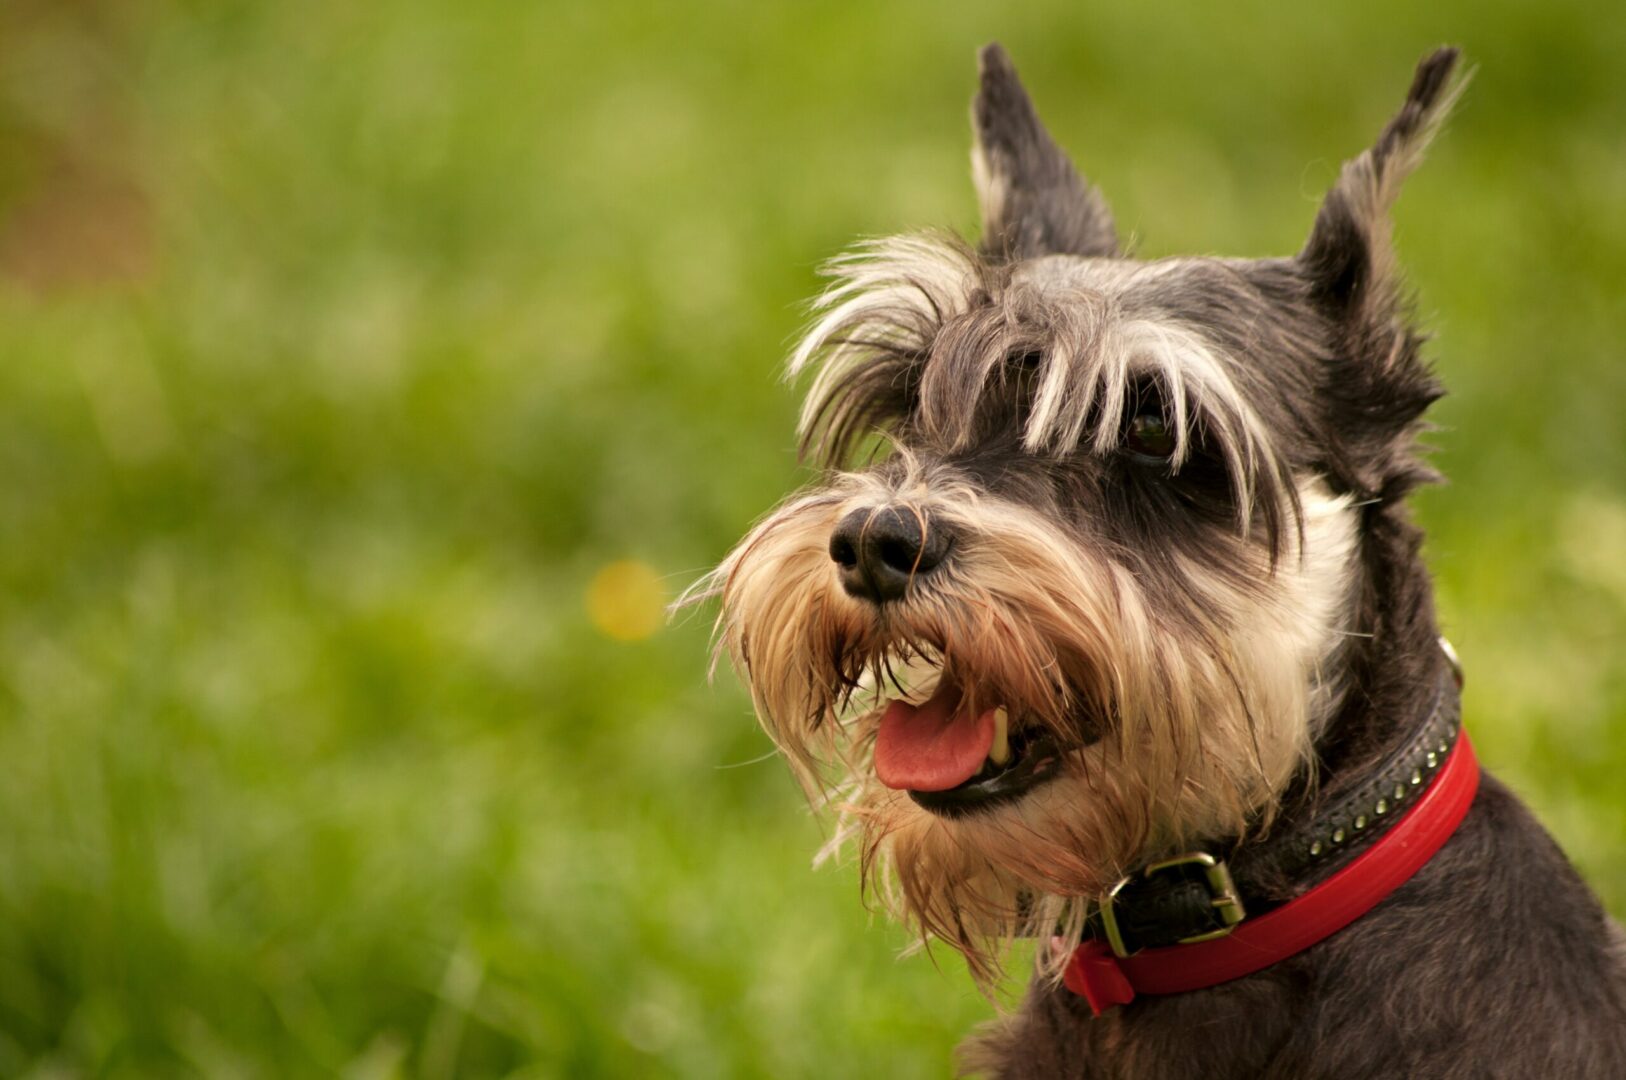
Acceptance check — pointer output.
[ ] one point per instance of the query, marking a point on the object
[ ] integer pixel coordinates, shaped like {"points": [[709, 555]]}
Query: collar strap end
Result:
{"points": [[1094, 975]]}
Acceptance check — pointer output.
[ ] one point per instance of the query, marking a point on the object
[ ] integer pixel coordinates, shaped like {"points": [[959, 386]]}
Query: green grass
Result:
{"points": [[343, 345]]}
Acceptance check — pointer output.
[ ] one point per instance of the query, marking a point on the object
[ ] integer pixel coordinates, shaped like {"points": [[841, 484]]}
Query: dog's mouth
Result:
{"points": [[953, 757]]}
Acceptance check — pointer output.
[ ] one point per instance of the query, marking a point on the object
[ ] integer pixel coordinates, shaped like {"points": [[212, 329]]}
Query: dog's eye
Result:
{"points": [[1149, 436]]}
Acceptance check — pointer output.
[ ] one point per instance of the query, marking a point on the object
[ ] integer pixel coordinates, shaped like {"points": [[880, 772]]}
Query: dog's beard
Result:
{"points": [[1172, 725]]}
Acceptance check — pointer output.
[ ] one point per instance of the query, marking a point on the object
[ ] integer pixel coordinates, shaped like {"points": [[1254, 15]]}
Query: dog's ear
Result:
{"points": [[1349, 258], [1382, 389], [1033, 200]]}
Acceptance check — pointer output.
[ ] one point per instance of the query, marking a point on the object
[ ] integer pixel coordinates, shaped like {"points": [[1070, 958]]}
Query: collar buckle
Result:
{"points": [[1192, 866]]}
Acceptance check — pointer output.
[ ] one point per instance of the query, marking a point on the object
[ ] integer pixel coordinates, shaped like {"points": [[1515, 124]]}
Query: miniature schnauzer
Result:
{"points": [[1108, 628]]}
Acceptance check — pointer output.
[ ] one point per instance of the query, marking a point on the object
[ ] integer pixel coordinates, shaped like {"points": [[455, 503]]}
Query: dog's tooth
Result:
{"points": [[1000, 752]]}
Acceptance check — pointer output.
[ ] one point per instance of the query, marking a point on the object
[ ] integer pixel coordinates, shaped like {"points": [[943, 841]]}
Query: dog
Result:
{"points": [[1107, 627]]}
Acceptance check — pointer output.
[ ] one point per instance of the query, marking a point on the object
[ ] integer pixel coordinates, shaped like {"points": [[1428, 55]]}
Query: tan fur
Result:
{"points": [[1203, 734]]}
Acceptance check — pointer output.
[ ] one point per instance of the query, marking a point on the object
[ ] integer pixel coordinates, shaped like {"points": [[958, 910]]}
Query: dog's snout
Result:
{"points": [[880, 552]]}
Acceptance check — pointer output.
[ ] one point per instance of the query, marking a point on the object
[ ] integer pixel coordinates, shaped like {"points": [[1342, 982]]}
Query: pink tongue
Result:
{"points": [[932, 746]]}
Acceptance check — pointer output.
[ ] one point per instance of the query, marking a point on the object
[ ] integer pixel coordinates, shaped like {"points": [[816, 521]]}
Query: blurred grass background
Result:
{"points": [[370, 375]]}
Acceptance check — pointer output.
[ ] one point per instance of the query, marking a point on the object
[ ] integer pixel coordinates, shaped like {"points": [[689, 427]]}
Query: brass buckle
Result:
{"points": [[1223, 898]]}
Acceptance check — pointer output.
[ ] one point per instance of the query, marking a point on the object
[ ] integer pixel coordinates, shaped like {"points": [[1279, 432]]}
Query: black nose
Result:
{"points": [[880, 552]]}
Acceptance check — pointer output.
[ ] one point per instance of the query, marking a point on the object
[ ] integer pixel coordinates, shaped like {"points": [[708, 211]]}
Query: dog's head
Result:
{"points": [[1079, 584]]}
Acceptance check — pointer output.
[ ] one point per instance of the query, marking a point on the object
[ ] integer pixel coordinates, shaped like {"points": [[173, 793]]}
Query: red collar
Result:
{"points": [[1106, 980]]}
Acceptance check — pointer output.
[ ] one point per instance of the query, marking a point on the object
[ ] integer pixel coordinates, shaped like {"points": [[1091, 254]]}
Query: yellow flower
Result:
{"points": [[626, 601]]}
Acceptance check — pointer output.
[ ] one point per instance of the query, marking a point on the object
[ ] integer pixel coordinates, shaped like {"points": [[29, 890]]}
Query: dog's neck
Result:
{"points": [[1394, 660], [1379, 754], [1393, 669]]}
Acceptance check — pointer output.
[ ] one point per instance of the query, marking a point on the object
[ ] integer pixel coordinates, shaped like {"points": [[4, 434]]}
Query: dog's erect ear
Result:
{"points": [[1033, 200], [1349, 257], [1382, 389]]}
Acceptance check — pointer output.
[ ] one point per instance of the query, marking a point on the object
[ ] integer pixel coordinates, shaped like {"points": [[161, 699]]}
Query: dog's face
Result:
{"points": [[1077, 589]]}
